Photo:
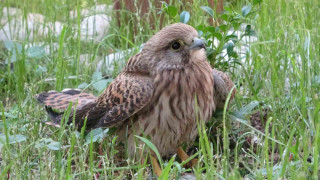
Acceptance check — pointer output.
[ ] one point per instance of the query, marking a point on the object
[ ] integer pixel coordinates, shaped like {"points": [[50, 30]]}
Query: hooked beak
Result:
{"points": [[197, 43]]}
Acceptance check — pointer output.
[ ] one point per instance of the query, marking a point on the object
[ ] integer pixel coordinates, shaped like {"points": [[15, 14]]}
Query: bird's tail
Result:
{"points": [[82, 104], [61, 100]]}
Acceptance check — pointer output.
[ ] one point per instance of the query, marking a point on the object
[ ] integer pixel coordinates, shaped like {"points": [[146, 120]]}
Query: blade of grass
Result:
{"points": [[225, 136], [166, 171], [61, 64], [152, 147], [69, 159], [316, 147], [266, 150]]}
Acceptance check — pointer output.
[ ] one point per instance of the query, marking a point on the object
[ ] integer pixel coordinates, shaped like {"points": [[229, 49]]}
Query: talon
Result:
{"points": [[156, 168], [193, 162], [184, 156]]}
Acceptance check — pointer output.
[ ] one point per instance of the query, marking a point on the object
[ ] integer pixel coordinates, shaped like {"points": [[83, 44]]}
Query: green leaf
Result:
{"points": [[223, 27], [54, 146], [13, 58], [172, 11], [218, 36], [98, 83], [49, 143], [201, 27], [208, 10], [256, 2], [13, 46], [246, 110], [224, 17], [36, 52], [231, 37], [10, 115], [13, 139], [97, 135], [246, 10], [96, 76], [184, 17], [230, 47], [249, 31], [235, 25], [210, 29], [83, 85], [228, 9]]}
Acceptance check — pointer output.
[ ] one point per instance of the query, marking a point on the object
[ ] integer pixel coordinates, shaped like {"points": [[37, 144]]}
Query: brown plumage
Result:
{"points": [[156, 93]]}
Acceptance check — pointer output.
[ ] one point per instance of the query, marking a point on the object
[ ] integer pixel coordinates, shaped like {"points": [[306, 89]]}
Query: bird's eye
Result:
{"points": [[176, 45]]}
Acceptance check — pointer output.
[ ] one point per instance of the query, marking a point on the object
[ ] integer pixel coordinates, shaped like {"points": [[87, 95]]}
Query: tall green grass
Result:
{"points": [[281, 74]]}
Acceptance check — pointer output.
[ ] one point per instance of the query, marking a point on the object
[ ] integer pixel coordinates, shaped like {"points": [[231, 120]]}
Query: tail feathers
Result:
{"points": [[89, 111], [61, 100], [83, 101], [54, 116]]}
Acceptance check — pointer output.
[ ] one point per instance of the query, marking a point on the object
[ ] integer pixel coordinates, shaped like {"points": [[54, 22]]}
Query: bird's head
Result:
{"points": [[174, 46]]}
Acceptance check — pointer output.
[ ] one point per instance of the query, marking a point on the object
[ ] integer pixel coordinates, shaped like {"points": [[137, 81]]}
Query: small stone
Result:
{"points": [[98, 9], [34, 26], [94, 28]]}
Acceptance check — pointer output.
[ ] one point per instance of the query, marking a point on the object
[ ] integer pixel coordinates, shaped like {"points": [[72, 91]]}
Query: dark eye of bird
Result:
{"points": [[176, 45]]}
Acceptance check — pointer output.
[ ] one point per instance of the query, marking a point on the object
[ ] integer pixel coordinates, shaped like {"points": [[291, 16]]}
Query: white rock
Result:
{"points": [[102, 8], [50, 48], [98, 9], [16, 30], [13, 12], [36, 18], [83, 12], [85, 59], [20, 28], [188, 176], [52, 28], [94, 27]]}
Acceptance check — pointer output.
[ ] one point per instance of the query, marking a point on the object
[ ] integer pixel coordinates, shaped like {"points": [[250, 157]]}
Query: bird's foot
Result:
{"points": [[184, 156], [156, 168], [192, 163]]}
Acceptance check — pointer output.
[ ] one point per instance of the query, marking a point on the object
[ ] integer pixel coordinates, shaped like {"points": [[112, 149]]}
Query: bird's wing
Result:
{"points": [[124, 97], [61, 100], [222, 86]]}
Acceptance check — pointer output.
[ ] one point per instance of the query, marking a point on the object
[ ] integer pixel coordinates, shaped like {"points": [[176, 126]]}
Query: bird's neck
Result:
{"points": [[137, 64]]}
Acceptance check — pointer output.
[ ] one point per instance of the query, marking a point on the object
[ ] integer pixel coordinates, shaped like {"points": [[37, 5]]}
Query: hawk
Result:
{"points": [[161, 93]]}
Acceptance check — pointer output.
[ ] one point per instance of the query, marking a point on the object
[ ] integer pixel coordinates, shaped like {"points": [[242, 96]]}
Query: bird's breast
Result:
{"points": [[181, 91], [181, 97]]}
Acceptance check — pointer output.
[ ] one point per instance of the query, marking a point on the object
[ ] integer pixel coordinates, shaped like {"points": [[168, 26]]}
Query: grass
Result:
{"points": [[280, 74]]}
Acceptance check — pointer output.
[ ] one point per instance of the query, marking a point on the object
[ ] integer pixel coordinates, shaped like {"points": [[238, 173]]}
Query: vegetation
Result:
{"points": [[271, 130]]}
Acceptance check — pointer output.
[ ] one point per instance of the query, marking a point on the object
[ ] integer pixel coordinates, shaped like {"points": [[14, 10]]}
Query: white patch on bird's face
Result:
{"points": [[198, 54]]}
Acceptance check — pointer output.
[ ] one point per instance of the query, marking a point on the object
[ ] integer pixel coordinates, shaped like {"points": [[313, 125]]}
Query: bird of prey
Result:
{"points": [[161, 93]]}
